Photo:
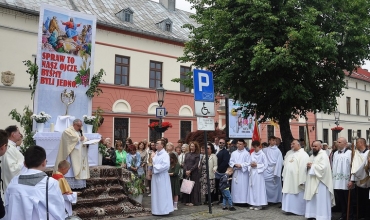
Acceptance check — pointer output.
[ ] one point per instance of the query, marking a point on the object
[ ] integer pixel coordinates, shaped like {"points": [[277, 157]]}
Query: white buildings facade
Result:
{"points": [[354, 111]]}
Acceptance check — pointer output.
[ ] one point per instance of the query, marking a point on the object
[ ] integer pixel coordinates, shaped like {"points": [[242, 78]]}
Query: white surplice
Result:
{"points": [[11, 163], [294, 177], [256, 187], [273, 174], [68, 201], [360, 169], [239, 191], [319, 193], [29, 202], [161, 186], [341, 169]]}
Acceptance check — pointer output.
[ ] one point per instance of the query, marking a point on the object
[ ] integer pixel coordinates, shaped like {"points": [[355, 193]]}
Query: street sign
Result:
{"points": [[204, 109], [160, 112], [203, 86], [205, 124]]}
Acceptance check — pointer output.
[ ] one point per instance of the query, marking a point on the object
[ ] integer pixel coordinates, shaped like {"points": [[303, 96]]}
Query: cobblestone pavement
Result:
{"points": [[271, 212]]}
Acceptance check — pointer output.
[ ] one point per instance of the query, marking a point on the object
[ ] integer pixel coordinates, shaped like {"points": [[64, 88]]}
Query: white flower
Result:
{"points": [[41, 118]]}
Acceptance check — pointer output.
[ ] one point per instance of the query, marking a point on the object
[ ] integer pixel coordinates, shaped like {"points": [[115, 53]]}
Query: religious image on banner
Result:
{"points": [[66, 43], [240, 125]]}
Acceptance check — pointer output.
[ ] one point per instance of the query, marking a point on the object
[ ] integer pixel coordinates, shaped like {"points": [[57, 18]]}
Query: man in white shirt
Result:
{"points": [[341, 175], [25, 197], [319, 193], [360, 172], [294, 177], [217, 144], [273, 172], [12, 160]]}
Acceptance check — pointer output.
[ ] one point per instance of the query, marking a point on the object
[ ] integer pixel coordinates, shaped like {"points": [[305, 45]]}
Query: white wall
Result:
{"points": [[18, 34], [348, 121]]}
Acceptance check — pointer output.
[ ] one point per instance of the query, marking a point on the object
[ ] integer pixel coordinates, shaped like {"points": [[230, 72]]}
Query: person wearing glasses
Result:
{"points": [[223, 158]]}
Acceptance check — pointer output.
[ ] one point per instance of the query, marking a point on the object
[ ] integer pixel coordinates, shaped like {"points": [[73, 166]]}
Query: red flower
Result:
{"points": [[165, 124], [337, 128]]}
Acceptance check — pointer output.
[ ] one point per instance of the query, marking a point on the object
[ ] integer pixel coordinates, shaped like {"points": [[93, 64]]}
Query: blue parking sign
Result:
{"points": [[203, 85]]}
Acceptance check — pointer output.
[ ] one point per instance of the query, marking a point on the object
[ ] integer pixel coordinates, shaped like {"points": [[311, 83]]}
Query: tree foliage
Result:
{"points": [[287, 56]]}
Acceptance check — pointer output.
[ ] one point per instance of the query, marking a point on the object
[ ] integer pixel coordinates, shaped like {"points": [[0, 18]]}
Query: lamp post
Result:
{"points": [[160, 99], [336, 116]]}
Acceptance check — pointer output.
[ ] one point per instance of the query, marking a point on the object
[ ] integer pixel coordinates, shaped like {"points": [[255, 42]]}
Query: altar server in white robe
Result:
{"points": [[161, 186], [256, 187], [294, 177], [273, 172], [341, 175], [360, 171], [239, 161], [319, 193], [72, 149], [12, 160], [26, 193]]}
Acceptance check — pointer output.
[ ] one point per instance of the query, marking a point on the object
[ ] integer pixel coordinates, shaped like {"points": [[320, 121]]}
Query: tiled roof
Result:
{"points": [[146, 14], [361, 74]]}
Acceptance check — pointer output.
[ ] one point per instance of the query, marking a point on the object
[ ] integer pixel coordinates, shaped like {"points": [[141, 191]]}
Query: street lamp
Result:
{"points": [[336, 116], [160, 94]]}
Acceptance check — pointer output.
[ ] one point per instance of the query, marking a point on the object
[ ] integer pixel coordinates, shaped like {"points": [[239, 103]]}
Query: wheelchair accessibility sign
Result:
{"points": [[204, 109]]}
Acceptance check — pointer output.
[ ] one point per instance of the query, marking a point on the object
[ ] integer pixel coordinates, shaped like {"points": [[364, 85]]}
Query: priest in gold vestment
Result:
{"points": [[72, 149]]}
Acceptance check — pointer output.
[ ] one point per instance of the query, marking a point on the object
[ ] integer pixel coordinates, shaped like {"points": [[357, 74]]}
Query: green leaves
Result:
{"points": [[287, 56], [32, 70]]}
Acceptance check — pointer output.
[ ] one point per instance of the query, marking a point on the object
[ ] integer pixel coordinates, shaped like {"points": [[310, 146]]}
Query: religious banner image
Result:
{"points": [[66, 44], [240, 125]]}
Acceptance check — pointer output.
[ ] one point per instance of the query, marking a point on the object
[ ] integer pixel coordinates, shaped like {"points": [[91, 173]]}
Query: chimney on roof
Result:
{"points": [[169, 4]]}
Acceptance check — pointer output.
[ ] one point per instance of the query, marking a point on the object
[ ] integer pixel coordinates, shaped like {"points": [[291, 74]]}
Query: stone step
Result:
{"points": [[122, 209], [103, 181], [97, 190]]}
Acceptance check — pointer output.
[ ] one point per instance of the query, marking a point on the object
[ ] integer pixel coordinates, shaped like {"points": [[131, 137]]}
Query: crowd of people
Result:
{"points": [[306, 181]]}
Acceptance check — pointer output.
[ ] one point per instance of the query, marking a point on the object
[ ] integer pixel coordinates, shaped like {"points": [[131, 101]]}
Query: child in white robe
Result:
{"points": [[69, 196], [257, 190]]}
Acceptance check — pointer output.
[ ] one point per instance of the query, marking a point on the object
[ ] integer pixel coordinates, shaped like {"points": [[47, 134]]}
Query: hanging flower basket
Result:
{"points": [[158, 129], [164, 126], [337, 128]]}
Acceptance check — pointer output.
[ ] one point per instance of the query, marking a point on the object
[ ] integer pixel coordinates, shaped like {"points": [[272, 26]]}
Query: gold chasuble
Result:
{"points": [[70, 145]]}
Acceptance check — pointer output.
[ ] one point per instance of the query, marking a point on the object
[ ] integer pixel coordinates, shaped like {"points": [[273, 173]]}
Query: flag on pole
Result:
{"points": [[256, 133]]}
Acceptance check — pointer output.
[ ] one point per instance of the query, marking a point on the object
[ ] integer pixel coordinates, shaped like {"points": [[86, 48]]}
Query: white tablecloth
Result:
{"points": [[63, 122], [50, 142]]}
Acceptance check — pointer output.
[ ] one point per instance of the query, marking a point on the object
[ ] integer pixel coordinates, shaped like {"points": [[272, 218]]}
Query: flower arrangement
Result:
{"points": [[337, 128], [136, 186], [103, 150], [41, 118], [165, 124], [89, 120]]}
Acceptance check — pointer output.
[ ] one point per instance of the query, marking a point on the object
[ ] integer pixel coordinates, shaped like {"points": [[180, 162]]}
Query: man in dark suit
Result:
{"points": [[223, 157]]}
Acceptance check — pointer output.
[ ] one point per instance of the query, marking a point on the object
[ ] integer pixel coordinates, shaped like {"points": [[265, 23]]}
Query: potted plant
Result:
{"points": [[89, 122], [160, 127], [338, 128], [136, 187], [40, 120]]}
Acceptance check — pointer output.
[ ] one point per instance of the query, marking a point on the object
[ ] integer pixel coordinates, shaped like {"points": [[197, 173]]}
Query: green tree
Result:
{"points": [[287, 56]]}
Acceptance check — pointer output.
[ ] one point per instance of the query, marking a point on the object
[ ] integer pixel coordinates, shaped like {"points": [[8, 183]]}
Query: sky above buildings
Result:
{"points": [[185, 5], [182, 4]]}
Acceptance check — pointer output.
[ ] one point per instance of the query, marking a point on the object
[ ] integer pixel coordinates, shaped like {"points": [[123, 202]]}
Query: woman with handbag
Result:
{"points": [[212, 167], [191, 172]]}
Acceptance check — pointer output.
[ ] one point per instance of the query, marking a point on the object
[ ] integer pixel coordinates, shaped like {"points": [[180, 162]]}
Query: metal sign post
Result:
{"points": [[204, 105]]}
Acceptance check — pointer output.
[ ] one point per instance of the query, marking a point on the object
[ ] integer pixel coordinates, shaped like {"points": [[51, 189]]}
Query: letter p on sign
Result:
{"points": [[202, 84]]}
